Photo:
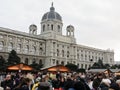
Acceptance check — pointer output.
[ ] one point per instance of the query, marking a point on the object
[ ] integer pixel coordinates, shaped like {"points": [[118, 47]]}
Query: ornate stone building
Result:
{"points": [[51, 47]]}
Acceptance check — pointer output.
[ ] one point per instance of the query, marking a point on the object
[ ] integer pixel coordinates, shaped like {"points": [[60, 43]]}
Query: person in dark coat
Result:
{"points": [[62, 82], [7, 83], [78, 85], [55, 83], [24, 84], [114, 86], [97, 81], [105, 84], [69, 84], [81, 82]]}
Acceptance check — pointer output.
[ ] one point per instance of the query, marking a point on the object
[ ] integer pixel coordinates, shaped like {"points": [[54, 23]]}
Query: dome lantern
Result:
{"points": [[52, 8], [51, 22], [70, 31]]}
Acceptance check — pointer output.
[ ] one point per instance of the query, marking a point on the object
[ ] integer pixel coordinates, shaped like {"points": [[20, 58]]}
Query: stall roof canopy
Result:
{"points": [[59, 68], [103, 70], [20, 66]]}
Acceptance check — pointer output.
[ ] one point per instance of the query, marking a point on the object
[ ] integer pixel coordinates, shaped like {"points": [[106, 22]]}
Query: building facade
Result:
{"points": [[51, 47]]}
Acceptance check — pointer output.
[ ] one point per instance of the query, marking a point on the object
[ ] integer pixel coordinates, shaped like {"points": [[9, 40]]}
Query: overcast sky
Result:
{"points": [[96, 22]]}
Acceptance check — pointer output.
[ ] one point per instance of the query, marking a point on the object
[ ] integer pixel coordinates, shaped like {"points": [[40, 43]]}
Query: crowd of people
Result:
{"points": [[59, 81]]}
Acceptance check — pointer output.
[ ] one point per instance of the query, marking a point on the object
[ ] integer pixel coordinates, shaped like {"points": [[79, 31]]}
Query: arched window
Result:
{"points": [[62, 53], [72, 33], [57, 52], [43, 28], [34, 31], [51, 27], [68, 33], [89, 57], [10, 46], [89, 65], [34, 60], [57, 62], [48, 27], [67, 62], [41, 51], [1, 45], [82, 57], [18, 47], [68, 54], [40, 61], [62, 63], [33, 50], [77, 56], [26, 49], [58, 28], [81, 65], [85, 57], [26, 60], [73, 62], [85, 66]]}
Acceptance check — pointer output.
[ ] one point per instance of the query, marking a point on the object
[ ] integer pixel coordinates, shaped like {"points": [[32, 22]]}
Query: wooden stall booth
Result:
{"points": [[20, 67], [58, 68]]}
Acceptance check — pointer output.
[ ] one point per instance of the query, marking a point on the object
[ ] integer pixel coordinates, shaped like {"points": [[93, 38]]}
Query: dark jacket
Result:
{"points": [[68, 84], [56, 83], [96, 83], [103, 86], [7, 83], [115, 86], [44, 86], [23, 87], [78, 85]]}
